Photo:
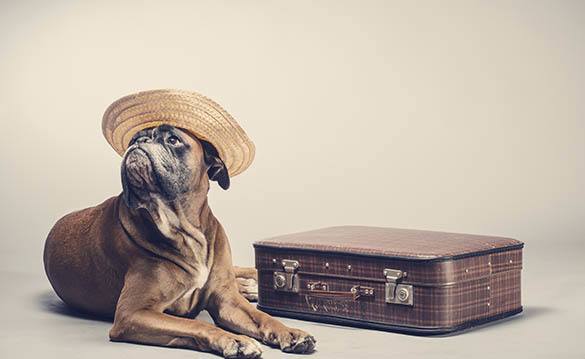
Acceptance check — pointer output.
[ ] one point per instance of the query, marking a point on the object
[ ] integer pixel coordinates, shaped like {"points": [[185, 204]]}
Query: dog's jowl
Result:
{"points": [[153, 257]]}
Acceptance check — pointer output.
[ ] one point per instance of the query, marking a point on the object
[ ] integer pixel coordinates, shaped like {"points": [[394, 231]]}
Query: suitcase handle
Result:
{"points": [[321, 289]]}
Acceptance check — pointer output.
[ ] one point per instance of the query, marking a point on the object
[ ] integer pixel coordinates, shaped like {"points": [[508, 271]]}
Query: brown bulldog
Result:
{"points": [[155, 256]]}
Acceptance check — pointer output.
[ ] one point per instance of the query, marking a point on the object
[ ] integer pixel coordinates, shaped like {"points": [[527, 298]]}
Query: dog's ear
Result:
{"points": [[216, 169]]}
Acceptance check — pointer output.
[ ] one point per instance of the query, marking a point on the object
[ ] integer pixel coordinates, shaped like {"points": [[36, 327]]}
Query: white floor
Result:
{"points": [[34, 322]]}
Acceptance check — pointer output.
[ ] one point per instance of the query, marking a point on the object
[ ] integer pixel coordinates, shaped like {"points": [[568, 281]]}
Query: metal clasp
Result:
{"points": [[287, 280], [318, 286], [361, 291], [397, 293]]}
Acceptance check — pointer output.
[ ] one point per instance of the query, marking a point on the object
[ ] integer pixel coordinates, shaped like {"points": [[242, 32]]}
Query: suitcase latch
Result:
{"points": [[287, 280], [397, 293]]}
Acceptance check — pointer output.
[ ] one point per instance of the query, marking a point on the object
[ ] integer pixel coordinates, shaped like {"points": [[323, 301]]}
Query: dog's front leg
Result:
{"points": [[231, 311], [140, 318]]}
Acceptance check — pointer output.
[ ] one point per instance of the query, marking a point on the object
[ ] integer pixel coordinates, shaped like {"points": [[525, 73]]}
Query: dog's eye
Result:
{"points": [[173, 140]]}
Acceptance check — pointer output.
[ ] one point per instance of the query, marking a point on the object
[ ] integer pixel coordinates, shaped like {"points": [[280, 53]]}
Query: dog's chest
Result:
{"points": [[186, 304]]}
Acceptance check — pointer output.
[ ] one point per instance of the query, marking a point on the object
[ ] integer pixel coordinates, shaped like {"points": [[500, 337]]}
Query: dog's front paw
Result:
{"points": [[293, 341], [239, 346]]}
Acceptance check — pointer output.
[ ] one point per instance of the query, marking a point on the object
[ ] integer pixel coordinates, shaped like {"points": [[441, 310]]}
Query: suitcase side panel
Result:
{"points": [[428, 311], [505, 282], [446, 294]]}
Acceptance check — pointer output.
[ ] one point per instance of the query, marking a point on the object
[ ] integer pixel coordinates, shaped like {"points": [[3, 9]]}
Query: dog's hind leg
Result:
{"points": [[247, 280]]}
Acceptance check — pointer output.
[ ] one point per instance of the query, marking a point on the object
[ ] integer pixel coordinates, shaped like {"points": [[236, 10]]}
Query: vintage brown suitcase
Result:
{"points": [[411, 281]]}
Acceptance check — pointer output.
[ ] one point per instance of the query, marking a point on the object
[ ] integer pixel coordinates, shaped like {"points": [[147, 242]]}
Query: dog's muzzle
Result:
{"points": [[138, 169]]}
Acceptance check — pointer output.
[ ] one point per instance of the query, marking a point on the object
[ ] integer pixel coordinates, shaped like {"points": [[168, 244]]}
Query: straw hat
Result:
{"points": [[187, 110]]}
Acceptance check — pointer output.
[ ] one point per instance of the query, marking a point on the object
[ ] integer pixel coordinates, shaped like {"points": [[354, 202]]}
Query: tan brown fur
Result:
{"points": [[155, 267]]}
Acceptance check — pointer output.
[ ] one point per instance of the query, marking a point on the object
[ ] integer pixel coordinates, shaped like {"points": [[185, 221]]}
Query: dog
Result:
{"points": [[154, 256]]}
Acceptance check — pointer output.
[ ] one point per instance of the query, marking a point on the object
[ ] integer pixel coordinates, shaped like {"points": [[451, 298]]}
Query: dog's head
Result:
{"points": [[168, 162]]}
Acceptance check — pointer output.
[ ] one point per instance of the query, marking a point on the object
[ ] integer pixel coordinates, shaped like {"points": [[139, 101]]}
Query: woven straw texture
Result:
{"points": [[190, 111]]}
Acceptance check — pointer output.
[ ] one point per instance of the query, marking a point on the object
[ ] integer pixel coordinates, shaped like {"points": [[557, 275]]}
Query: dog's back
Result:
{"points": [[78, 258]]}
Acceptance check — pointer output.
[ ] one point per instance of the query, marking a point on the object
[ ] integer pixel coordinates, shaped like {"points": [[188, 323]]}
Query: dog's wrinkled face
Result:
{"points": [[168, 162]]}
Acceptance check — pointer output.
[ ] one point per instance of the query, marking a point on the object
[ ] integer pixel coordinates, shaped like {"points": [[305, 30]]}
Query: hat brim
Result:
{"points": [[190, 111]]}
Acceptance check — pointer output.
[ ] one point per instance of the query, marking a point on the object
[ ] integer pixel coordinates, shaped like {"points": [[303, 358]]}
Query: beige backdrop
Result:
{"points": [[462, 115]]}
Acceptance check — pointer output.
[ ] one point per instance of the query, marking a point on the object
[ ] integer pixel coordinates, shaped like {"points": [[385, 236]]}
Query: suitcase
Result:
{"points": [[409, 281]]}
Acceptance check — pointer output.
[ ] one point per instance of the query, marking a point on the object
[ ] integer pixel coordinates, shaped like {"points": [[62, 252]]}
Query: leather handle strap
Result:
{"points": [[321, 289]]}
